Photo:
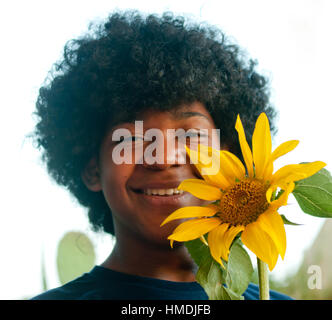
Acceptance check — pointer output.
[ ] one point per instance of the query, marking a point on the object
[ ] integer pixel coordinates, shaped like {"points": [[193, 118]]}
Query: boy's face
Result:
{"points": [[128, 187]]}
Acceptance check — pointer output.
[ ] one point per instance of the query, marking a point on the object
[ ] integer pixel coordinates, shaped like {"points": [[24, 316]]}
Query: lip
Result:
{"points": [[171, 201], [159, 185], [177, 200]]}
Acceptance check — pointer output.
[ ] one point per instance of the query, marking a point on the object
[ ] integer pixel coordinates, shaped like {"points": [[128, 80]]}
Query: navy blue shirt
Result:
{"points": [[105, 284]]}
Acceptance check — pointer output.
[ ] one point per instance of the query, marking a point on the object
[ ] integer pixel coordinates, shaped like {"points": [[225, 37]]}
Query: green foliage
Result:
{"points": [[210, 277], [286, 221], [239, 269], [274, 284], [314, 194], [75, 256], [43, 271], [219, 283]]}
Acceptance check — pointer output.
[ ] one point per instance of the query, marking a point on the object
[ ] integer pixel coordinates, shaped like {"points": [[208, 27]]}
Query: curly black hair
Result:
{"points": [[131, 63]]}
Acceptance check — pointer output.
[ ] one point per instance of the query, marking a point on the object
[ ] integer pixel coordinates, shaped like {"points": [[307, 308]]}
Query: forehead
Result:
{"points": [[194, 112]]}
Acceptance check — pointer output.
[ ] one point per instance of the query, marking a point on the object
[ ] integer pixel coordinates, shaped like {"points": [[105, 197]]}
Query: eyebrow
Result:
{"points": [[179, 115], [188, 114]]}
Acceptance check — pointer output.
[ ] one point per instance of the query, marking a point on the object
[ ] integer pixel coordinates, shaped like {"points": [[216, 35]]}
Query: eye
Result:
{"points": [[194, 133], [195, 137], [130, 139], [134, 139]]}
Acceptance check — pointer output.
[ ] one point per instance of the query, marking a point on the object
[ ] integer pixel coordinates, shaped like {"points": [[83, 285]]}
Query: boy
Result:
{"points": [[169, 75]]}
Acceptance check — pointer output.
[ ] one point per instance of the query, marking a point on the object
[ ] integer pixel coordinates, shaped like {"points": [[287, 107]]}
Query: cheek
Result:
{"points": [[114, 184]]}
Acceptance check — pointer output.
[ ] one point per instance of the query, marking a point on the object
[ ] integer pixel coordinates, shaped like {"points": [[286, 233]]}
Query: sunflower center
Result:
{"points": [[243, 202]]}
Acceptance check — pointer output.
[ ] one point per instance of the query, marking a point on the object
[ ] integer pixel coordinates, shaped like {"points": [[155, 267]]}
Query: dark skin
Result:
{"points": [[141, 245]]}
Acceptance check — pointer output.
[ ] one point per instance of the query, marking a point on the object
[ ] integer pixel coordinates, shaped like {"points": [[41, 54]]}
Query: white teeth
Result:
{"points": [[162, 192], [169, 191]]}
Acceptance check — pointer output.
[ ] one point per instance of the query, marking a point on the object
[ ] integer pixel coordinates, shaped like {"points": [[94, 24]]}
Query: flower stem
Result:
{"points": [[263, 279]]}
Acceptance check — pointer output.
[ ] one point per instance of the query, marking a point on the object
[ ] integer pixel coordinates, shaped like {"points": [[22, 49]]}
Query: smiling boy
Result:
{"points": [[169, 74], [144, 197]]}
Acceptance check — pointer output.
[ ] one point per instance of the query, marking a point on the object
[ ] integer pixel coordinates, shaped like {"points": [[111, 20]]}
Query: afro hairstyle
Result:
{"points": [[130, 63]]}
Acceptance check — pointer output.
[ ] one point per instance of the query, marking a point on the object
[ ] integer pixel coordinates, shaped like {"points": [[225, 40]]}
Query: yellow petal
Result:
{"points": [[232, 165], [261, 145], [284, 148], [200, 189], [246, 152], [202, 238], [193, 229], [201, 163], [260, 243], [228, 238], [225, 163], [268, 171], [282, 200], [215, 240], [272, 223], [295, 172], [269, 193], [191, 212]]}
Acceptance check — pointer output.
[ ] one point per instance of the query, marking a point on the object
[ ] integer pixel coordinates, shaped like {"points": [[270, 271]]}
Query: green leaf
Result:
{"points": [[43, 272], [278, 195], [75, 256], [198, 250], [228, 294], [210, 277], [239, 269], [314, 194], [213, 278], [286, 221]]}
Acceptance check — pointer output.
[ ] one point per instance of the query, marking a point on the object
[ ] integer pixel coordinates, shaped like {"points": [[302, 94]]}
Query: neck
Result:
{"points": [[141, 258]]}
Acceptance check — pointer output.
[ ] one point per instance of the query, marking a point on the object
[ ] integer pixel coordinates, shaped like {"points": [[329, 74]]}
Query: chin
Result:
{"points": [[160, 241]]}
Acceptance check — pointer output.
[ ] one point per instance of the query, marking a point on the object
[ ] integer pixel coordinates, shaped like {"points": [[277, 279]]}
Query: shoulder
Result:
{"points": [[105, 284], [101, 283], [252, 293], [82, 288]]}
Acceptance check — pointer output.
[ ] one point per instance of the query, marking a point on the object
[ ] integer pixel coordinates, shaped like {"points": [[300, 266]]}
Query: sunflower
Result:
{"points": [[243, 198]]}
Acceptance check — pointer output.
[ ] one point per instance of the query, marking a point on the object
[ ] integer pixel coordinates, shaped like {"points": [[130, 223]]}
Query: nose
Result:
{"points": [[164, 151]]}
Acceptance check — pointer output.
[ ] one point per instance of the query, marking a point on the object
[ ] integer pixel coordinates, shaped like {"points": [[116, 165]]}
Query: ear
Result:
{"points": [[91, 175]]}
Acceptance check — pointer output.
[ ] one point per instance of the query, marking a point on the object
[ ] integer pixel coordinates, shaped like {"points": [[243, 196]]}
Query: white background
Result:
{"points": [[291, 41]]}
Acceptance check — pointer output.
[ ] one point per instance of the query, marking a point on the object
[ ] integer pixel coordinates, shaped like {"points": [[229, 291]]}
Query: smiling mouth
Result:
{"points": [[160, 192]]}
